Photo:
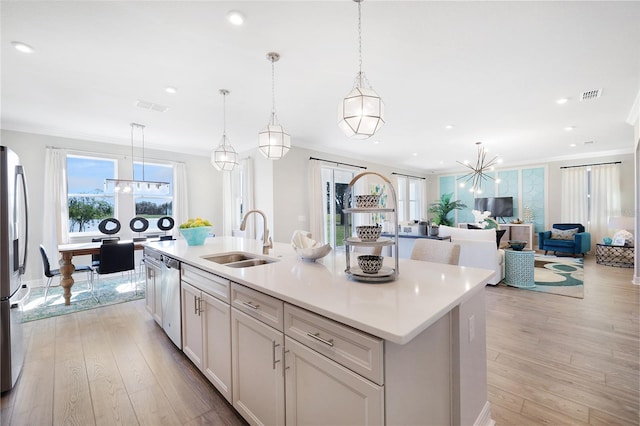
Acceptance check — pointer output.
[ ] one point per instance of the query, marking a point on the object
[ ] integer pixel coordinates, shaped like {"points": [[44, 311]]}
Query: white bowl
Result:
{"points": [[367, 201], [368, 232], [369, 263], [310, 254]]}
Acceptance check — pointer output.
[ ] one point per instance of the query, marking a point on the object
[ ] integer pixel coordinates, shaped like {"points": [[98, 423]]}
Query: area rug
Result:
{"points": [[111, 290], [559, 275]]}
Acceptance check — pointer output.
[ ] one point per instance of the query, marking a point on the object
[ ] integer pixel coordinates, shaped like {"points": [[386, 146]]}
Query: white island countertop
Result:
{"points": [[396, 311]]}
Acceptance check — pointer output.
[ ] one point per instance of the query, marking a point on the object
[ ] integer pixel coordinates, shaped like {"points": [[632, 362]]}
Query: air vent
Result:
{"points": [[151, 106], [590, 94], [589, 142]]}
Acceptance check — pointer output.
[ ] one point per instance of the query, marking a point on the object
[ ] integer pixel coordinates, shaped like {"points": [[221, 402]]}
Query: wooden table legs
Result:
{"points": [[66, 271]]}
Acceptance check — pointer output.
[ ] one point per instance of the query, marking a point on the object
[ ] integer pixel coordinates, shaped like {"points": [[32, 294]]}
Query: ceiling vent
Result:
{"points": [[590, 94], [151, 106]]}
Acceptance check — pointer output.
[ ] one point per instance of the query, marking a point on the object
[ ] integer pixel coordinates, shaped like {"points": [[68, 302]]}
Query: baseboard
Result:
{"points": [[636, 280], [484, 418]]}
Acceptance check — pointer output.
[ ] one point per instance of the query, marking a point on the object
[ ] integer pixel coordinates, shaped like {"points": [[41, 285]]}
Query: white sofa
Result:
{"points": [[478, 249]]}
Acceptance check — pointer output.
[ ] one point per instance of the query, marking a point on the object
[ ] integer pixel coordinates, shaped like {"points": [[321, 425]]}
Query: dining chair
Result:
{"points": [[95, 258], [436, 251], [116, 258], [50, 273]]}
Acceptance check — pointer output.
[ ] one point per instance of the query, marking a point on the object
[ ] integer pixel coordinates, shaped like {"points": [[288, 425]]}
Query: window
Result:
{"points": [[410, 194], [88, 204], [335, 182], [152, 206]]}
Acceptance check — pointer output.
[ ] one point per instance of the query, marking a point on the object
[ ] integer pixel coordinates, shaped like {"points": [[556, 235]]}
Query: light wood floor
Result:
{"points": [[551, 360]]}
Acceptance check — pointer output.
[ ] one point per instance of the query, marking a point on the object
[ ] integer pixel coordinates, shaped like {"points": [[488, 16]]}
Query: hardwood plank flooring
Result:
{"points": [[561, 360], [551, 360]]}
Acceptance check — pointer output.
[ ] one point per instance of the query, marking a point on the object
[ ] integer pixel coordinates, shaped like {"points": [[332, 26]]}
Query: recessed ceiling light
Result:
{"points": [[572, 145], [562, 101], [235, 17], [569, 128], [415, 154], [24, 48], [376, 142], [449, 126], [171, 89]]}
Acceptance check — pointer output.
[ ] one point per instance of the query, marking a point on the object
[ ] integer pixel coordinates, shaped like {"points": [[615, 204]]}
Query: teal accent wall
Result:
{"points": [[508, 187], [466, 197], [533, 195], [447, 184]]}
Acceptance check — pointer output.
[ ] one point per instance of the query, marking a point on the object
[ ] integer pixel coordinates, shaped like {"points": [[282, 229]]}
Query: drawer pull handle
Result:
{"points": [[251, 305], [320, 339]]}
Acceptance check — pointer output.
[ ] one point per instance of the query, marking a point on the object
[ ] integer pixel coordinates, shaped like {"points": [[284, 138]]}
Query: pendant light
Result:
{"points": [[273, 141], [479, 172], [361, 112], [133, 186], [224, 158]]}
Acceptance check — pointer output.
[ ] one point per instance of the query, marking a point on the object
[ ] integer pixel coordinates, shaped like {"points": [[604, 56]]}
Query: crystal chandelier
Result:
{"points": [[478, 172], [273, 141], [361, 112], [224, 157], [133, 186]]}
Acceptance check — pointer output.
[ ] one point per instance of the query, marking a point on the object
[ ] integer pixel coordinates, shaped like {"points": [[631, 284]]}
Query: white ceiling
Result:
{"points": [[492, 69]]}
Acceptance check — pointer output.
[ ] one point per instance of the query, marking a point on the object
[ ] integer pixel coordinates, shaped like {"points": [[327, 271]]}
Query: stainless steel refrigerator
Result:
{"points": [[14, 232]]}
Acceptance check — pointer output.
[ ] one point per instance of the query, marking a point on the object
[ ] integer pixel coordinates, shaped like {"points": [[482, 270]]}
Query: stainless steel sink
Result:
{"points": [[228, 257], [249, 262], [238, 259]]}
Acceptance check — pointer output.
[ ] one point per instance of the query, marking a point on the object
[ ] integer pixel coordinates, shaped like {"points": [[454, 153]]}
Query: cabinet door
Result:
{"points": [[192, 324], [338, 396], [216, 319], [258, 382]]}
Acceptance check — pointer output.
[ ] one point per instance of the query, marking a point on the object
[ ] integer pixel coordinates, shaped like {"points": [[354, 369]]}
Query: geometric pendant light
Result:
{"points": [[224, 157], [478, 173], [273, 141], [361, 112]]}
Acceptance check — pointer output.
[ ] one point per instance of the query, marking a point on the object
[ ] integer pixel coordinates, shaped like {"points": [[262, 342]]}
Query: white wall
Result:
{"points": [[204, 182]]}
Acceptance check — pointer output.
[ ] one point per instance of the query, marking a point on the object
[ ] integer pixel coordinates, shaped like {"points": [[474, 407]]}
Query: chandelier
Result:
{"points": [[478, 172], [134, 186], [361, 112], [273, 141], [224, 157]]}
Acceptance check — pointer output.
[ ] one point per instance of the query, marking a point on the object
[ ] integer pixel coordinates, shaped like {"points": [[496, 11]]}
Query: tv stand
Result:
{"points": [[518, 231]]}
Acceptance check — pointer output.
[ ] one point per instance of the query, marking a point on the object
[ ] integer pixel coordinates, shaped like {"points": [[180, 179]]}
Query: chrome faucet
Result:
{"points": [[267, 243]]}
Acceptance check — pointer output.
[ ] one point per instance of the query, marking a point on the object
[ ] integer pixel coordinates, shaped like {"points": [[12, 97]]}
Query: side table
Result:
{"points": [[519, 267], [620, 256]]}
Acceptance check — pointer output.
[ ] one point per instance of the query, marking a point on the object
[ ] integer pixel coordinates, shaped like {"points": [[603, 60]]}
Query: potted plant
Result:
{"points": [[442, 208]]}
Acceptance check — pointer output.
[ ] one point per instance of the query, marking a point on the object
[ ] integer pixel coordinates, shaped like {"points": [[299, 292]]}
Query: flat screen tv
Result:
{"points": [[498, 206]]}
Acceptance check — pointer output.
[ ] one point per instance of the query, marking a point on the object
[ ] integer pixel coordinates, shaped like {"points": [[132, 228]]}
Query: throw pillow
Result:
{"points": [[499, 234], [563, 234]]}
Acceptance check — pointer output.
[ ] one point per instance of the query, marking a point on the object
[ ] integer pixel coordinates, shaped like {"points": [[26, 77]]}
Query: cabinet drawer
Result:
{"points": [[258, 305], [211, 284], [358, 351]]}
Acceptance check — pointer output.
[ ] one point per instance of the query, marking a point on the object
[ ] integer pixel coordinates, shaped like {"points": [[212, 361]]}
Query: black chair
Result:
{"points": [[116, 258], [50, 273], [95, 258]]}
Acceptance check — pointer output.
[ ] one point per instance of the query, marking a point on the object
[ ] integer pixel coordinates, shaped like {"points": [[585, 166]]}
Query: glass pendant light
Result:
{"points": [[361, 112], [224, 157], [273, 141]]}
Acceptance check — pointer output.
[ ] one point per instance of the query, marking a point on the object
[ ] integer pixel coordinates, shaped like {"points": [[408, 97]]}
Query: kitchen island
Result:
{"points": [[411, 351]]}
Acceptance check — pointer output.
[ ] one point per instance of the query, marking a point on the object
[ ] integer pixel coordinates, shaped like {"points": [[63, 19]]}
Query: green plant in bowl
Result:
{"points": [[195, 231]]}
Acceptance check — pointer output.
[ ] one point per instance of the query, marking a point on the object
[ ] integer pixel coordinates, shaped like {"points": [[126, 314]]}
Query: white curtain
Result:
{"points": [[227, 204], [317, 220], [248, 199], [573, 199], [180, 196], [55, 225], [605, 199]]}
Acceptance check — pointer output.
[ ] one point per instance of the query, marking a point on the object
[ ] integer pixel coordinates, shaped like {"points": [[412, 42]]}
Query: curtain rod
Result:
{"points": [[337, 163], [594, 164], [415, 177], [73, 151]]}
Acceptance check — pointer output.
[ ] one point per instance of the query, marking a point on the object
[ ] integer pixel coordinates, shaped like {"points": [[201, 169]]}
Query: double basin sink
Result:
{"points": [[238, 259]]}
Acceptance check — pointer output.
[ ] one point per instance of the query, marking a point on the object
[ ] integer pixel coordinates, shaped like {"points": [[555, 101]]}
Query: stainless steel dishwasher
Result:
{"points": [[171, 318]]}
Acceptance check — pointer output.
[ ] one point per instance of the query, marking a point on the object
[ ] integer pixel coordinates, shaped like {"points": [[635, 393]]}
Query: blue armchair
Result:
{"points": [[579, 244]]}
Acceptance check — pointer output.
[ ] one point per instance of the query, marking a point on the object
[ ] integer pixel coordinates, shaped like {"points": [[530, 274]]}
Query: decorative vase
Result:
{"points": [[434, 230]]}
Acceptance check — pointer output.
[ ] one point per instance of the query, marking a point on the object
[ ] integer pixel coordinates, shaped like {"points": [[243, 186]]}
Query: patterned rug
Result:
{"points": [[110, 289], [559, 275]]}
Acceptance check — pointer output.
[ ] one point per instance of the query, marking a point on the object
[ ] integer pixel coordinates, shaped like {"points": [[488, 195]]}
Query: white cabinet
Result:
{"points": [[153, 288], [258, 383], [337, 395], [206, 322]]}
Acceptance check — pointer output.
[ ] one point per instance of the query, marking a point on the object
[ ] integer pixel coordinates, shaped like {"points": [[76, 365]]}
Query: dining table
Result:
{"points": [[68, 251]]}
